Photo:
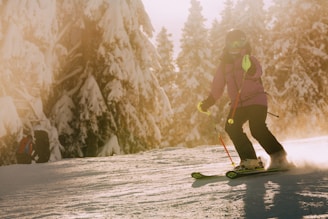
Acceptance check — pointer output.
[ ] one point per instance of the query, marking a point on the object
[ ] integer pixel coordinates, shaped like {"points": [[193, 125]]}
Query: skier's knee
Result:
{"points": [[259, 133], [233, 130]]}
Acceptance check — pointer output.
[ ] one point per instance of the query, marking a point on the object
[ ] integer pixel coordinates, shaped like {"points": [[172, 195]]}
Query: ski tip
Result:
{"points": [[231, 174], [196, 175]]}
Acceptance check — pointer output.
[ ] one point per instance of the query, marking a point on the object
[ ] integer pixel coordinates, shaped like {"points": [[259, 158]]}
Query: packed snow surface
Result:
{"points": [[157, 184]]}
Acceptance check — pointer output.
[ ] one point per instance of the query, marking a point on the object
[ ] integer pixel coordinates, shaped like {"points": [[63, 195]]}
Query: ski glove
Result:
{"points": [[204, 105], [246, 63], [201, 108]]}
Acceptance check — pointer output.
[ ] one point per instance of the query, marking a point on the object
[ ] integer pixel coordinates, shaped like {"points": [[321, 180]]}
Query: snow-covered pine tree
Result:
{"points": [[167, 73], [109, 52], [219, 30], [92, 111], [75, 35], [227, 18], [297, 70], [135, 99], [194, 78], [167, 78], [28, 30], [216, 40], [250, 17], [10, 127]]}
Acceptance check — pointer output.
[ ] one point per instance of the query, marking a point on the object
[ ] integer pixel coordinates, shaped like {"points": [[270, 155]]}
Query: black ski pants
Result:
{"points": [[256, 116]]}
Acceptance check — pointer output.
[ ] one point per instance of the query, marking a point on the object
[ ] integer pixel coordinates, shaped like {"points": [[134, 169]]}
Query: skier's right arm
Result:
{"points": [[216, 91], [205, 104]]}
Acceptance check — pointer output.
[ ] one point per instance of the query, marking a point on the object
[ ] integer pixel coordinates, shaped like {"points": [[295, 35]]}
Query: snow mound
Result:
{"points": [[110, 148]]}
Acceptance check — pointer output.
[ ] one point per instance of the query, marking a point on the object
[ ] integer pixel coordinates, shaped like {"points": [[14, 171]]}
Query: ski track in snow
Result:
{"points": [[157, 184]]}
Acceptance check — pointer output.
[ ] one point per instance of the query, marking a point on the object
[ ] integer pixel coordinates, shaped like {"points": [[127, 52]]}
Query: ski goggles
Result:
{"points": [[237, 44]]}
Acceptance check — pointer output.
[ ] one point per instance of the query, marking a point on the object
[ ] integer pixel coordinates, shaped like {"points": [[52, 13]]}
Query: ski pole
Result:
{"points": [[272, 114], [222, 142], [219, 136], [226, 150], [231, 120]]}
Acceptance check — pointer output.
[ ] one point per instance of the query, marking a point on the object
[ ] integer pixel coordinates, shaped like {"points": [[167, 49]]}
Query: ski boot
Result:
{"points": [[279, 161], [249, 165]]}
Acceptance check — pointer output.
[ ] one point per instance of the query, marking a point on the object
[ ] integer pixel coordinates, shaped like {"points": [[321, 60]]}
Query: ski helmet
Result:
{"points": [[235, 41]]}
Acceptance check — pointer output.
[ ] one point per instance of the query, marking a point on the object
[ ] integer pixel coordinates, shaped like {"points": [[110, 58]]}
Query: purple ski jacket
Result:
{"points": [[231, 74]]}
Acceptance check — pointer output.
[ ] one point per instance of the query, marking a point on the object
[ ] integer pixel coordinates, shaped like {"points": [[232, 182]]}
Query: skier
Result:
{"points": [[241, 73]]}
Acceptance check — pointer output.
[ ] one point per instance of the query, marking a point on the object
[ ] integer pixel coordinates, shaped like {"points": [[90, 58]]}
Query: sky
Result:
{"points": [[172, 14]]}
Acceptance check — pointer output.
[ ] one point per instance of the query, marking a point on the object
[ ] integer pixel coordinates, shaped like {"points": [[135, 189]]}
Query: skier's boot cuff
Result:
{"points": [[250, 164]]}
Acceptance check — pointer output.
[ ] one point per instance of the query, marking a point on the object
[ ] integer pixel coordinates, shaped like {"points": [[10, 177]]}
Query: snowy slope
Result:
{"points": [[157, 184]]}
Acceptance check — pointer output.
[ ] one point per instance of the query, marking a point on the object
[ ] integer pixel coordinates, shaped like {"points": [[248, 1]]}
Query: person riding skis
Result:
{"points": [[241, 73]]}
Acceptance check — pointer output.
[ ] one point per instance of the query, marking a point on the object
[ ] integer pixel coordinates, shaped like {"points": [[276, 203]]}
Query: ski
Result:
{"points": [[237, 174], [198, 175]]}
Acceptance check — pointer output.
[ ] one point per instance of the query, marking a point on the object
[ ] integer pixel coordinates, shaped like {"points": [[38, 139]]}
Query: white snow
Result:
{"points": [[110, 148], [10, 122], [157, 184]]}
